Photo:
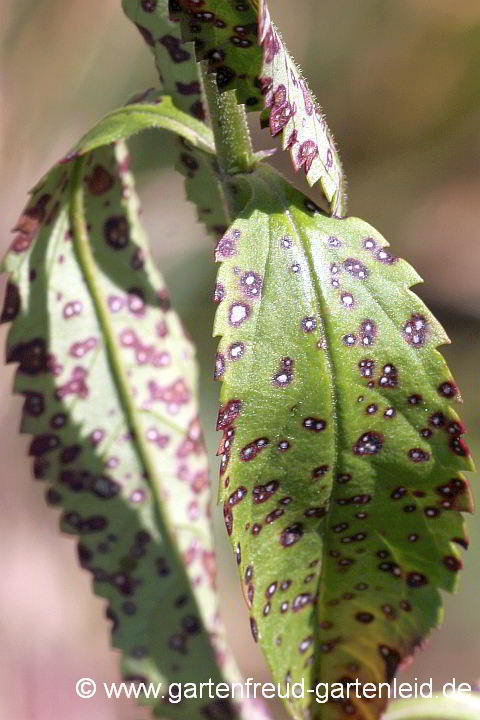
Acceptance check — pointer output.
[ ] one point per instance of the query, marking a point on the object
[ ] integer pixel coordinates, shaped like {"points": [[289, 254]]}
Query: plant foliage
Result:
{"points": [[149, 110], [246, 52], [109, 381], [181, 78], [341, 447], [342, 452]]}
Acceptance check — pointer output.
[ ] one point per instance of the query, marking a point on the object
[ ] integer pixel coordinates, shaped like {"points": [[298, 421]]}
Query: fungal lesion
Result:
{"points": [[284, 375], [415, 330], [369, 443]]}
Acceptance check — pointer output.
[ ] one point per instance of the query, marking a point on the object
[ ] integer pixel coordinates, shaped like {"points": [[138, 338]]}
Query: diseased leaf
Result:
{"points": [[151, 110], [204, 189], [194, 156], [181, 79], [245, 50], [341, 447], [109, 381], [176, 66]]}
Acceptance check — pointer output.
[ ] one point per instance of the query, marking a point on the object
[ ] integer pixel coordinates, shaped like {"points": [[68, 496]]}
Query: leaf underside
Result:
{"points": [[149, 110], [181, 79], [246, 52], [109, 381], [341, 450]]}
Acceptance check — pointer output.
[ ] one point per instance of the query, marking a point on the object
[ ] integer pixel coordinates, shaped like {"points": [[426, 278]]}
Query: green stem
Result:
{"points": [[230, 128]]}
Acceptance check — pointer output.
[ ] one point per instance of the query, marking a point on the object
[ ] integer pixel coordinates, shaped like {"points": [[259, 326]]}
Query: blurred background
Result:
{"points": [[400, 84]]}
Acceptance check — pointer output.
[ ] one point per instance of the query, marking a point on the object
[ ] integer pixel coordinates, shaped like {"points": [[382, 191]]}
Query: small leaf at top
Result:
{"points": [[341, 447], [176, 66], [245, 50], [181, 78]]}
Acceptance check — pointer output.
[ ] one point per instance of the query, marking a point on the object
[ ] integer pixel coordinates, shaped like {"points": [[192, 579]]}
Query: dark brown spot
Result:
{"points": [[31, 355], [417, 455], [389, 379], [320, 471], [370, 443], [415, 331], [250, 451], [314, 424], [34, 404], [315, 512], [99, 181], [291, 534], [237, 496], [274, 515], [301, 601], [416, 580], [367, 333], [391, 659], [228, 414], [437, 420], [262, 493], [192, 88], [367, 368], [12, 303], [309, 324], [447, 390], [251, 284], [356, 268], [116, 232], [43, 444], [284, 375], [174, 48], [228, 517]]}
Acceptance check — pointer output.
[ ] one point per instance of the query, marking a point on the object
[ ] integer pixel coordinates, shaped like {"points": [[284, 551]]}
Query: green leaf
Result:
{"points": [[341, 446], [204, 189], [194, 156], [176, 66], [181, 79], [109, 381], [456, 707], [152, 111], [245, 50]]}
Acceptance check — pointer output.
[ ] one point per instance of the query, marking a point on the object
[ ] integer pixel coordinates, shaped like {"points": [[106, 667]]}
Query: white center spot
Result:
{"points": [[238, 314]]}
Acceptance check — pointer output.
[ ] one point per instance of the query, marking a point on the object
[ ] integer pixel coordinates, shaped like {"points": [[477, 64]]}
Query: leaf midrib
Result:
{"points": [[330, 363], [284, 203], [86, 261]]}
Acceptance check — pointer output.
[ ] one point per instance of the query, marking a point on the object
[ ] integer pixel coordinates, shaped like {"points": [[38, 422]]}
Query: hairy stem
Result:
{"points": [[230, 128]]}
